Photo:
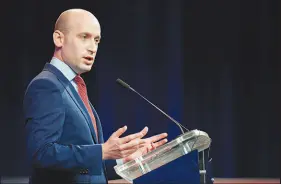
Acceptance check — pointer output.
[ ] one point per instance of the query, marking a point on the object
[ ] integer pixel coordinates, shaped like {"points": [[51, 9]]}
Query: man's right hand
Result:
{"points": [[116, 147]]}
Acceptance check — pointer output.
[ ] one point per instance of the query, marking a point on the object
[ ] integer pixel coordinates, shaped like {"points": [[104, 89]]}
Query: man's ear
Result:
{"points": [[58, 38]]}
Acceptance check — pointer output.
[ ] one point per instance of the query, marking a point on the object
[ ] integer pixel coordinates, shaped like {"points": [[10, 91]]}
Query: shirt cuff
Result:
{"points": [[119, 161]]}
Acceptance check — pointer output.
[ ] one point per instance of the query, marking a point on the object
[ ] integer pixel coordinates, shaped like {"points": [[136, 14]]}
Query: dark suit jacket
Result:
{"points": [[61, 140]]}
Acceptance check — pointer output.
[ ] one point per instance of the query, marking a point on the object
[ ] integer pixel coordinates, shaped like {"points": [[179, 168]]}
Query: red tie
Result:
{"points": [[82, 90]]}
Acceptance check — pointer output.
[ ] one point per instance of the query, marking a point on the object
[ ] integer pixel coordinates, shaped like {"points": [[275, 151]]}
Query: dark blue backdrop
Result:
{"points": [[212, 65]]}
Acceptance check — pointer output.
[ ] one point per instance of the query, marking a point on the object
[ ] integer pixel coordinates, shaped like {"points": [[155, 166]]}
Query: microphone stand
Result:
{"points": [[201, 156]]}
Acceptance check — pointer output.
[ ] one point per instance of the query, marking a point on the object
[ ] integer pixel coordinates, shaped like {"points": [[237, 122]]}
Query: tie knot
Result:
{"points": [[79, 80]]}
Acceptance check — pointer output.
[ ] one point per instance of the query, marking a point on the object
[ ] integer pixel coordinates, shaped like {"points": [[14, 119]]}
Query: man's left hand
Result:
{"points": [[149, 144]]}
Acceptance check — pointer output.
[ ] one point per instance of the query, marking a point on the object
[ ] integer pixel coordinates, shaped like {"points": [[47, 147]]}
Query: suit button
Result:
{"points": [[84, 171]]}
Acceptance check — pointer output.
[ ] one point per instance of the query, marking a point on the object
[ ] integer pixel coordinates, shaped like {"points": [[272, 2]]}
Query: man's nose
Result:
{"points": [[93, 48]]}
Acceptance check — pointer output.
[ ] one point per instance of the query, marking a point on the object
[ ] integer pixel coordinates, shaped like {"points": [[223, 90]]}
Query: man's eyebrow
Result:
{"points": [[99, 37], [91, 35]]}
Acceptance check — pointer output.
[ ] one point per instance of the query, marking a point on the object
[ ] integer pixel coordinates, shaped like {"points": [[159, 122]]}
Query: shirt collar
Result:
{"points": [[64, 68]]}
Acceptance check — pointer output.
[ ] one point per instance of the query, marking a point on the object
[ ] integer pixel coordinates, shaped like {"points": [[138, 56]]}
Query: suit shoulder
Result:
{"points": [[44, 79]]}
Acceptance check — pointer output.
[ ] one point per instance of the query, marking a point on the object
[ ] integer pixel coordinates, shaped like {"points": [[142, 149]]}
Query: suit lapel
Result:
{"points": [[74, 96]]}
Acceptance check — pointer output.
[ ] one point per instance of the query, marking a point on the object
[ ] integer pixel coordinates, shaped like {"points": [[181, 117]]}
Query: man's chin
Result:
{"points": [[85, 69]]}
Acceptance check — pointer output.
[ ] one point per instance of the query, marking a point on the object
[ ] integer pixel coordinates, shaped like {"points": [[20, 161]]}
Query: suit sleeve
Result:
{"points": [[45, 117]]}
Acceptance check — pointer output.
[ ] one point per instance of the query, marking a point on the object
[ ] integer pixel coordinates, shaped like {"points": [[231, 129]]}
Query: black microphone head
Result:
{"points": [[124, 84]]}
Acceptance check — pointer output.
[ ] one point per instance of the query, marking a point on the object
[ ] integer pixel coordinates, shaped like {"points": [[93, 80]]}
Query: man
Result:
{"points": [[64, 133]]}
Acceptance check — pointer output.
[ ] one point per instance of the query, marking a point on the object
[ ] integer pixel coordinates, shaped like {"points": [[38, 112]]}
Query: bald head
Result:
{"points": [[76, 37], [69, 18]]}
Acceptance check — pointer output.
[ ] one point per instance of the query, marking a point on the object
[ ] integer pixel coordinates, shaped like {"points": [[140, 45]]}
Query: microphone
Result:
{"points": [[124, 84], [203, 169]]}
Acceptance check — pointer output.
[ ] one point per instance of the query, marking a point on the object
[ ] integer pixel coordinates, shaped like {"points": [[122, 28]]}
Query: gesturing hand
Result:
{"points": [[116, 147], [148, 145]]}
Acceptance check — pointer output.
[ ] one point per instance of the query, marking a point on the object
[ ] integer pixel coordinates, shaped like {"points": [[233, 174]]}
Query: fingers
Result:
{"points": [[142, 151], [131, 137], [136, 154], [144, 131], [119, 132], [128, 152], [132, 144], [157, 137], [159, 143], [153, 146], [127, 159]]}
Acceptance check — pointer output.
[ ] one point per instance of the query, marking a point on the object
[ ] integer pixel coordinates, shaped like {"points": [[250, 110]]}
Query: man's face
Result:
{"points": [[81, 43]]}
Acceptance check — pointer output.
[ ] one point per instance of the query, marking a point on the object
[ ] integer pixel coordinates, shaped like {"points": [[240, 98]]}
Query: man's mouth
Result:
{"points": [[89, 58]]}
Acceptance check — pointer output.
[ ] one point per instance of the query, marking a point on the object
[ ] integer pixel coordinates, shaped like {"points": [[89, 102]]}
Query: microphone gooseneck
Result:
{"points": [[124, 84]]}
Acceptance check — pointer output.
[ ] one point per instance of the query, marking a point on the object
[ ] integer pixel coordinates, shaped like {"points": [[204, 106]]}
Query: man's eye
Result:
{"points": [[84, 36]]}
